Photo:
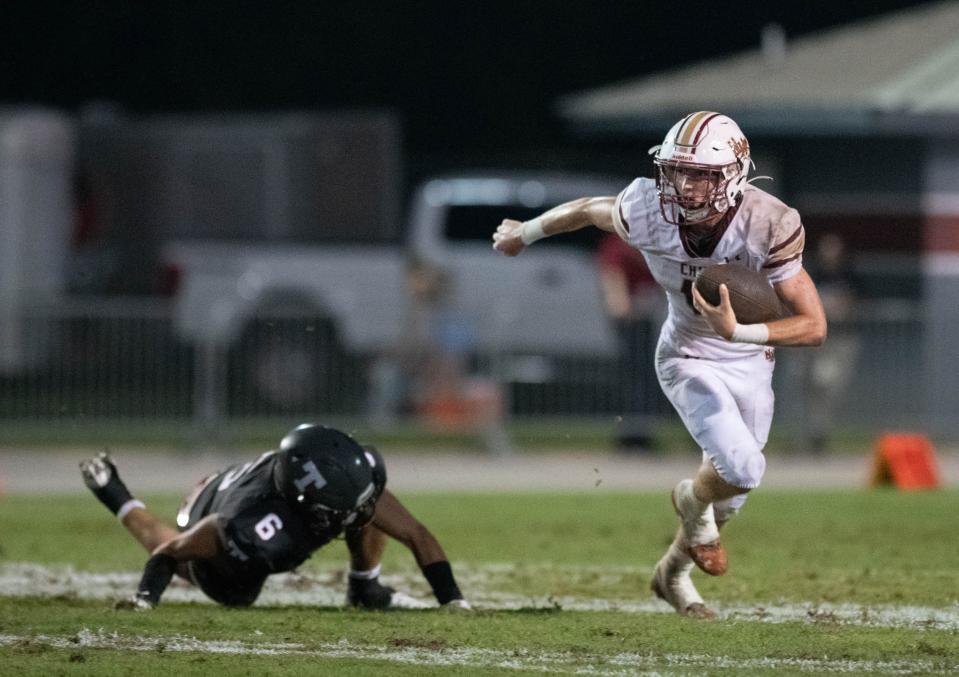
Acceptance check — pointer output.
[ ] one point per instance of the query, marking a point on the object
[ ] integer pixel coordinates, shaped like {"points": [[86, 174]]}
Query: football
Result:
{"points": [[753, 298]]}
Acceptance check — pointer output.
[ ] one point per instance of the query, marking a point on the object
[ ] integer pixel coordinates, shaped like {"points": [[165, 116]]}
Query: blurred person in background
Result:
{"points": [[699, 210], [270, 515], [827, 373], [400, 378], [631, 301], [427, 375]]}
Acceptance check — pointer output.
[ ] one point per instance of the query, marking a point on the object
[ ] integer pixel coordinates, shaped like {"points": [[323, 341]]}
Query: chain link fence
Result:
{"points": [[121, 360]]}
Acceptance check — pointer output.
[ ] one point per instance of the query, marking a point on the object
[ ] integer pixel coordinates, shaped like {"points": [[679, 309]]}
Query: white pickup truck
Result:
{"points": [[542, 305]]}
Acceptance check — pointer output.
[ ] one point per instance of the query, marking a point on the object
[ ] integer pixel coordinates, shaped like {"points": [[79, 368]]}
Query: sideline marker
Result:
{"points": [[907, 460]]}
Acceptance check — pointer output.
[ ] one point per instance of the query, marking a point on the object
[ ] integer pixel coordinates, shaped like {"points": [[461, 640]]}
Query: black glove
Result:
{"points": [[368, 593]]}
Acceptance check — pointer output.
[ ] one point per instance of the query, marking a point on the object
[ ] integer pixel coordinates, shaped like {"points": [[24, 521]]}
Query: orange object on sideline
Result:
{"points": [[476, 404], [907, 460]]}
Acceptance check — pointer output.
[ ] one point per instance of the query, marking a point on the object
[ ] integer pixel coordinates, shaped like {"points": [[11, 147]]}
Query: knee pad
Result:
{"points": [[742, 466], [753, 469]]}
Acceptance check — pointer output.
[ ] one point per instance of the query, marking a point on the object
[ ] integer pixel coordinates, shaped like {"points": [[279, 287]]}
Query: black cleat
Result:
{"points": [[369, 594], [101, 476]]}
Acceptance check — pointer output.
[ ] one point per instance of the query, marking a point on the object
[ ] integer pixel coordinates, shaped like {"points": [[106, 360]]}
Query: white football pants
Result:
{"points": [[726, 405]]}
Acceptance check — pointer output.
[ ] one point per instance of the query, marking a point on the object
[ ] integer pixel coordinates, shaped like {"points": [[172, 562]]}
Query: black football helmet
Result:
{"points": [[326, 475]]}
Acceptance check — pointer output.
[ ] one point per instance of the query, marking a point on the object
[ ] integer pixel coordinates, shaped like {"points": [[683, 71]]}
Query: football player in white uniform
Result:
{"points": [[700, 210]]}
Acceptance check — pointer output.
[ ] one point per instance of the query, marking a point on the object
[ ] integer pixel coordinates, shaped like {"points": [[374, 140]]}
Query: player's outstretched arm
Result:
{"points": [[202, 541], [512, 237], [396, 521]]}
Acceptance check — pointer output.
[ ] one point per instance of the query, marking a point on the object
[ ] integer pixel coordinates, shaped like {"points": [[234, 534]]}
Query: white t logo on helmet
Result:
{"points": [[312, 476]]}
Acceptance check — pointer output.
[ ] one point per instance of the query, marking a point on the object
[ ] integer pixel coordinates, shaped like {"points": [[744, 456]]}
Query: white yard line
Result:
{"points": [[472, 657], [327, 589]]}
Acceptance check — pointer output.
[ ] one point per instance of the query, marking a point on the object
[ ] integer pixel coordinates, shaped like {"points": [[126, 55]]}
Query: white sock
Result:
{"points": [[369, 575], [698, 518], [701, 506], [678, 582], [679, 560]]}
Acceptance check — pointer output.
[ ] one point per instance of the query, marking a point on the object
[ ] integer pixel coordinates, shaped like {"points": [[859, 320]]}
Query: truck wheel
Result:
{"points": [[286, 365]]}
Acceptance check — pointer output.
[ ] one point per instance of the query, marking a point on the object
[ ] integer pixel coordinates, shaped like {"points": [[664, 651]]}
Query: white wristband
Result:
{"points": [[129, 506], [532, 231], [750, 333]]}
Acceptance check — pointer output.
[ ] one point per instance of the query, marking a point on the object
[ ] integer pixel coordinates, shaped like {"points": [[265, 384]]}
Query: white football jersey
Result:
{"points": [[764, 234]]}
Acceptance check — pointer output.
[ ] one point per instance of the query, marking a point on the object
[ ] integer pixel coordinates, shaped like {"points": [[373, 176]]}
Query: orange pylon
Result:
{"points": [[907, 460]]}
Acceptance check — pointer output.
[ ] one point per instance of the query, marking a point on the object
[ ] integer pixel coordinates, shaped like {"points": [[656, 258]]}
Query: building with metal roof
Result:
{"points": [[895, 74]]}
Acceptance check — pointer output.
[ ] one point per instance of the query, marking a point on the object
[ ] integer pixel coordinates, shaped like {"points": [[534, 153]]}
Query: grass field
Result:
{"points": [[863, 582]]}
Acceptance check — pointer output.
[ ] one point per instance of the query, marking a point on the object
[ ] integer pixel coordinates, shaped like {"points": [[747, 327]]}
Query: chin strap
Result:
{"points": [[760, 178], [697, 215]]}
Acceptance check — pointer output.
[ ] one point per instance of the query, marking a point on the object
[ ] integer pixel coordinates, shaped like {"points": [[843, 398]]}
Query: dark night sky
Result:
{"points": [[468, 75]]}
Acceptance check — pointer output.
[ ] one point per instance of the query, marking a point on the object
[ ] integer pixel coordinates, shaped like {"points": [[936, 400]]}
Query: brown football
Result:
{"points": [[753, 298]]}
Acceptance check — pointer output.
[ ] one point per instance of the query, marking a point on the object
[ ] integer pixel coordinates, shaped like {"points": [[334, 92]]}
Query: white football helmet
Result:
{"points": [[702, 146]]}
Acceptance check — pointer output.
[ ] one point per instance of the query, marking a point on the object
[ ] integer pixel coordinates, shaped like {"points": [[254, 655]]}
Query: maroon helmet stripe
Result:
{"points": [[702, 127], [787, 240]]}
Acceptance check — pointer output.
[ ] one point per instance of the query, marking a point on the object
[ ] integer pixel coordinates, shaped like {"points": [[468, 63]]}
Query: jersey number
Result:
{"points": [[687, 290], [267, 527]]}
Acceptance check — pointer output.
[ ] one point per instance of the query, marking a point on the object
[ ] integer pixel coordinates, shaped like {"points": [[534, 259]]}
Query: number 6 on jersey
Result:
{"points": [[267, 527]]}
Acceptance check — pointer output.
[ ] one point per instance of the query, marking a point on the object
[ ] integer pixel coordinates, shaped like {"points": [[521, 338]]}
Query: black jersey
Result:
{"points": [[261, 533]]}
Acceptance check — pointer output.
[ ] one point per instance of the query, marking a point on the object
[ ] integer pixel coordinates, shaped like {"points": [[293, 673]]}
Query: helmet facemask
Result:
{"points": [[684, 204], [324, 520]]}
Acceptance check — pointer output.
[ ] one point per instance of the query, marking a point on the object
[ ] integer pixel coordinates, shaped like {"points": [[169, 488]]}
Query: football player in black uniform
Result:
{"points": [[267, 516]]}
